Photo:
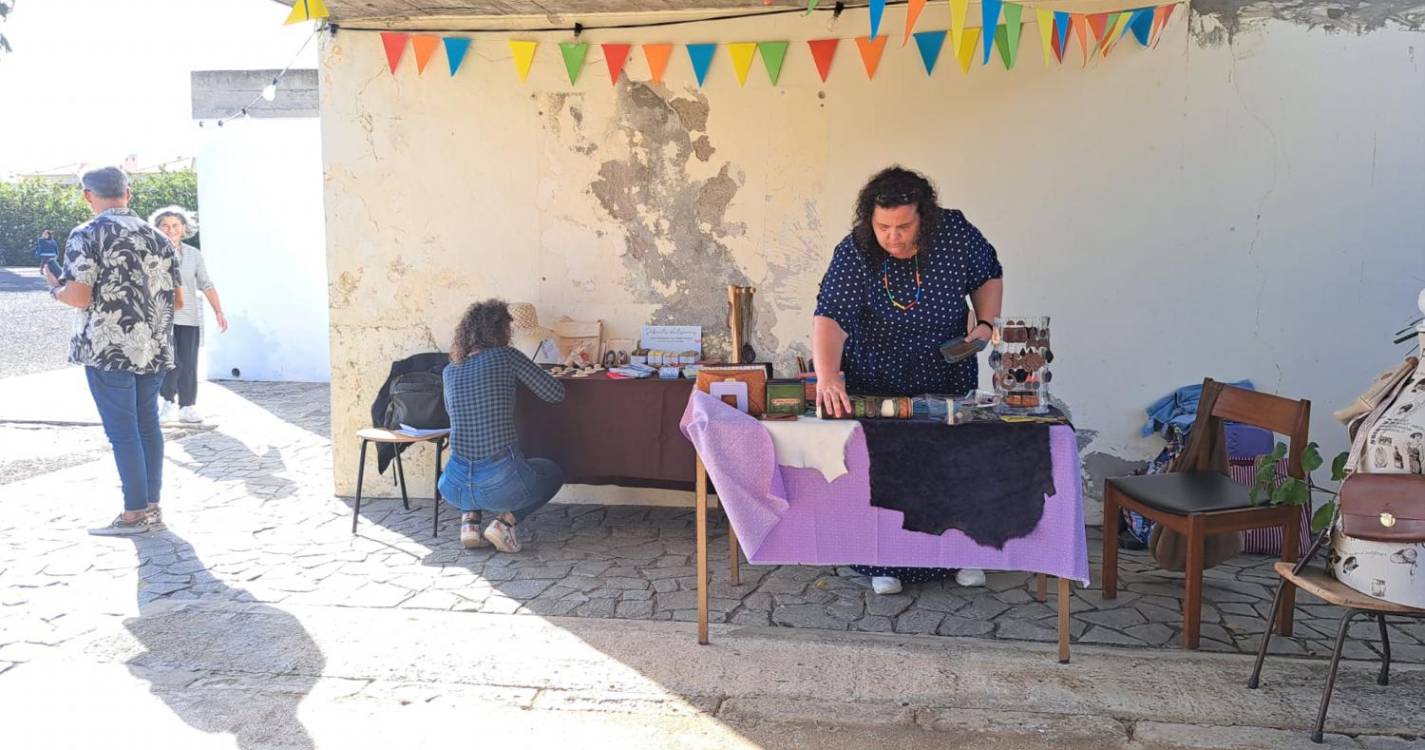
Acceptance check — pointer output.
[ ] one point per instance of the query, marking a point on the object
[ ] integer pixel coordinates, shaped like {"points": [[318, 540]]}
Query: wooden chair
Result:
{"points": [[378, 435], [1196, 497], [1319, 583]]}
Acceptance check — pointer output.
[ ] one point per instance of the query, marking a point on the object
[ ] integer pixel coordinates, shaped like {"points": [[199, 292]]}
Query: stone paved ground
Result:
{"points": [[33, 328], [251, 519]]}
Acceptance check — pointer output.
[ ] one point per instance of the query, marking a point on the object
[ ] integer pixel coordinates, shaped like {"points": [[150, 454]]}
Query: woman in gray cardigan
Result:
{"points": [[177, 224]]}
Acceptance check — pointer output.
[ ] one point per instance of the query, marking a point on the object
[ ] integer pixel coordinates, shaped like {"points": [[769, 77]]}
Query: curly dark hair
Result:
{"points": [[892, 187], [484, 326]]}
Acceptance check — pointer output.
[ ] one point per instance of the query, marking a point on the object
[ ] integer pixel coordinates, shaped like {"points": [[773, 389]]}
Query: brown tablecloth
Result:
{"points": [[622, 432]]}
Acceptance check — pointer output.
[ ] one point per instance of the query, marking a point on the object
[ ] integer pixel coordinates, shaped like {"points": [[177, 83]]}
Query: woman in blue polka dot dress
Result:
{"points": [[896, 290]]}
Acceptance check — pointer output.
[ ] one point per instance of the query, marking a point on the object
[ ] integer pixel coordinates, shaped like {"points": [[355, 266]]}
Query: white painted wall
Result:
{"points": [[1241, 211], [260, 189]]}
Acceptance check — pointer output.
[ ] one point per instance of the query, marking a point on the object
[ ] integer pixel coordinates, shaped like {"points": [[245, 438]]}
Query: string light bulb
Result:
{"points": [[269, 92]]}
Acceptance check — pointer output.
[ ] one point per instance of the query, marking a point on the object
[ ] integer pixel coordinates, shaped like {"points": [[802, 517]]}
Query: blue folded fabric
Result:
{"points": [[1179, 408]]}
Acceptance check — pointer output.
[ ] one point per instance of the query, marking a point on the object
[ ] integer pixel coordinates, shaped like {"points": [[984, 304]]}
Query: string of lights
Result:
{"points": [[269, 92]]}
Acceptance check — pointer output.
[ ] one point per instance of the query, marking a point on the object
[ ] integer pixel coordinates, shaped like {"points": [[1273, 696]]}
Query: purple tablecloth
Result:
{"points": [[788, 516]]}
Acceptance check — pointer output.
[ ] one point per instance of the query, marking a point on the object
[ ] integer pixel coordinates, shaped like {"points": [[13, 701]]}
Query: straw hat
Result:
{"points": [[526, 334]]}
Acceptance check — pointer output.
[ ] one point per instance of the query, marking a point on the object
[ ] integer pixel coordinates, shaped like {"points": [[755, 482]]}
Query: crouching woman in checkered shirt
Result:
{"points": [[488, 477]]}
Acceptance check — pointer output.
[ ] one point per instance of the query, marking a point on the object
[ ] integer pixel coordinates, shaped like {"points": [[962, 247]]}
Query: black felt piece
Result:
{"points": [[985, 479]]}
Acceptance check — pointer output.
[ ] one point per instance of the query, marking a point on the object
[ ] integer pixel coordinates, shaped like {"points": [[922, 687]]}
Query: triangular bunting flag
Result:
{"points": [[811, 6], [424, 45], [989, 20], [877, 7], [742, 55], [1014, 26], [929, 43], [1061, 33], [523, 53], [1161, 16], [1117, 23], [657, 57], [959, 10], [967, 50], [822, 52], [1098, 24], [1002, 44], [395, 43], [455, 49], [306, 10], [574, 54], [1044, 19], [871, 50], [1081, 30], [615, 55], [912, 12], [773, 55], [701, 55], [1142, 25]]}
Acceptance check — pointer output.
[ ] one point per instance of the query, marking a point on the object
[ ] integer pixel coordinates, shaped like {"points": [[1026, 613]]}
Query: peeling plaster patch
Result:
{"points": [[344, 287], [702, 148], [1352, 16], [1101, 466], [671, 220]]}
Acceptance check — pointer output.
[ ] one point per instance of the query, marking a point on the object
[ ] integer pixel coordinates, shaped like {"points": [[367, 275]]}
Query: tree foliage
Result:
{"points": [[31, 206]]}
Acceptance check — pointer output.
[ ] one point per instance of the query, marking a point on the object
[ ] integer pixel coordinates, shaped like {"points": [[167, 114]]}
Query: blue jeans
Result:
{"points": [[128, 407], [504, 483]]}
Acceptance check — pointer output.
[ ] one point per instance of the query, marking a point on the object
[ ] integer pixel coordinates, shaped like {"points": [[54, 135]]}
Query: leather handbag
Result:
{"points": [[755, 376], [1383, 507]]}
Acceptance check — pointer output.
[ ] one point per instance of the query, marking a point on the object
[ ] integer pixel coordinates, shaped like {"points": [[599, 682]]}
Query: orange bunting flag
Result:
{"points": [[1161, 15], [912, 12], [1081, 31], [657, 57], [425, 46], [742, 54], [395, 43], [1098, 23], [615, 55], [968, 43], [523, 53], [822, 51], [871, 50]]}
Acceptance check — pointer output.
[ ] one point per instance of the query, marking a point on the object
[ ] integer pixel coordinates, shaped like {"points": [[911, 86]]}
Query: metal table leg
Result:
{"points": [[701, 482], [360, 476]]}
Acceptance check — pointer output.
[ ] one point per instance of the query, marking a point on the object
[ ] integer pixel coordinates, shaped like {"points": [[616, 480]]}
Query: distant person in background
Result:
{"points": [[180, 387], [45, 247], [123, 276]]}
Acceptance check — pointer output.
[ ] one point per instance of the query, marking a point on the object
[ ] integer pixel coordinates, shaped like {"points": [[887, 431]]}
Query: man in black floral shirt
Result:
{"points": [[123, 276]]}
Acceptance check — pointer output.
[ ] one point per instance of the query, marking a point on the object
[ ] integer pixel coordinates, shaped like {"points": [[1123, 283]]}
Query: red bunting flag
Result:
{"points": [[657, 57], [871, 50], [424, 45], [822, 50], [1161, 15], [395, 43], [615, 55], [1098, 22]]}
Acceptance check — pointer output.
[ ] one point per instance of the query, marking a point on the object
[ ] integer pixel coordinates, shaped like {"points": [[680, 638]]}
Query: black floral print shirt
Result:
{"points": [[133, 272]]}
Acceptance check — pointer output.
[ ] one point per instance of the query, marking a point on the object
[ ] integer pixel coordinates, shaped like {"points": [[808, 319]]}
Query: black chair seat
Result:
{"points": [[1186, 493]]}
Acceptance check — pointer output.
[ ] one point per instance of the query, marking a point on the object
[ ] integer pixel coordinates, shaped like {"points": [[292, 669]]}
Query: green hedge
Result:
{"points": [[33, 205]]}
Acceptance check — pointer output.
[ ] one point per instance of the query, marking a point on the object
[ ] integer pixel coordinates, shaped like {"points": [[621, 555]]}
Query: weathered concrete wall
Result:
{"points": [[1242, 205]]}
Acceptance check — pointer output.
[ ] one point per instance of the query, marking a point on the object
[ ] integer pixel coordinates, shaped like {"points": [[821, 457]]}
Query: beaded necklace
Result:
{"points": [[886, 282]]}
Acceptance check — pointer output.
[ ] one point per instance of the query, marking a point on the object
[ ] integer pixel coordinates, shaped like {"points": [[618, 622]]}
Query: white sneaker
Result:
{"points": [[189, 414], [885, 585], [470, 536], [970, 577], [167, 410], [501, 533]]}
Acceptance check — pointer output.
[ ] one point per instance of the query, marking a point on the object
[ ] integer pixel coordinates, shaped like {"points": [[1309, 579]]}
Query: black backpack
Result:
{"points": [[417, 400]]}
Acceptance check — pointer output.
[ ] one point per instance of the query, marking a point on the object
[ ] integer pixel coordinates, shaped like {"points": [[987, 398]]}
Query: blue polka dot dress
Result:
{"points": [[895, 352]]}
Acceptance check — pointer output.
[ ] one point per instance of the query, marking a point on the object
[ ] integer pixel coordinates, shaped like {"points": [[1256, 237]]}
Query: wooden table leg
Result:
{"points": [[1064, 593], [1042, 589], [701, 480], [735, 556]]}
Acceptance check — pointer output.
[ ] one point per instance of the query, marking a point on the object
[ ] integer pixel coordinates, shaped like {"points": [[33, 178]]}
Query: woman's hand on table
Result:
{"points": [[831, 395]]}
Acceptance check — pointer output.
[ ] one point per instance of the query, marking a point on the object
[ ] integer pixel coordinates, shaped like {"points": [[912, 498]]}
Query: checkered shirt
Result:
{"points": [[480, 397]]}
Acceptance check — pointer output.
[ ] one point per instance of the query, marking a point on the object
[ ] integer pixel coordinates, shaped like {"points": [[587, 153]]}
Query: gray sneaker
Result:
{"points": [[120, 527], [154, 515]]}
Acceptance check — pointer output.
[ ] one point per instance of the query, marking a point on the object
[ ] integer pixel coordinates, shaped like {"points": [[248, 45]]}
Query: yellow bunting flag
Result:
{"points": [[657, 57], [1045, 20], [1115, 32], [966, 52], [743, 53], [524, 57], [306, 10], [871, 50], [425, 45], [959, 9], [912, 12]]}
